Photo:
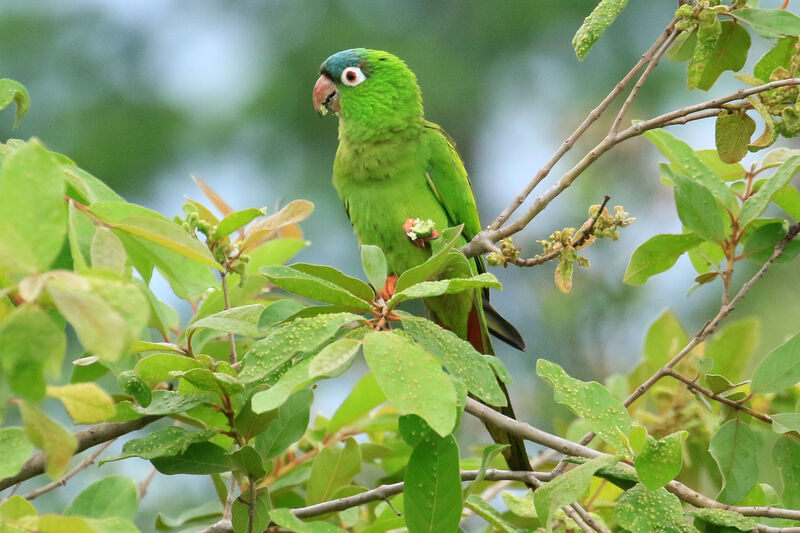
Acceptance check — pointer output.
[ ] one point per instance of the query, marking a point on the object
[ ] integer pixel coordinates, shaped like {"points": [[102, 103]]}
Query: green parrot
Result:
{"points": [[393, 167]]}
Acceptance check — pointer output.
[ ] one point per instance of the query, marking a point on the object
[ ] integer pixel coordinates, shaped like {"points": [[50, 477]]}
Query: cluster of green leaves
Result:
{"points": [[76, 254], [721, 206]]}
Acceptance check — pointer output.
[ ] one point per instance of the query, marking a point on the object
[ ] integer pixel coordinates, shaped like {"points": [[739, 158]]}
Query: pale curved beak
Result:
{"points": [[325, 96]]}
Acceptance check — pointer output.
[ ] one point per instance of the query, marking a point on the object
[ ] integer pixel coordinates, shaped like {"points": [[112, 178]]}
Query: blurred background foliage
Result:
{"points": [[142, 94]]}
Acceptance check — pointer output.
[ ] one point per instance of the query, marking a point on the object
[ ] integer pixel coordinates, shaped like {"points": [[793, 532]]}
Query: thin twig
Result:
{"points": [[588, 519], [588, 121], [63, 481], [652, 64], [223, 276], [87, 438], [484, 240], [141, 490], [722, 399], [528, 432]]}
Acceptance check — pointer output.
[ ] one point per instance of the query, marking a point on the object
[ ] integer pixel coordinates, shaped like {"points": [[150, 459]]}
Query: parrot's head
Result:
{"points": [[373, 92]]}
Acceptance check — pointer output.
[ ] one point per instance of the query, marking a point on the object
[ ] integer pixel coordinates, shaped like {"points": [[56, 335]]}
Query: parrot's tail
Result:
{"points": [[515, 455]]}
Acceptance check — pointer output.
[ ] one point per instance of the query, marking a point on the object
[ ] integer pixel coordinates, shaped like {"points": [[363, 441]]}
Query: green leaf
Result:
{"points": [[770, 134], [50, 523], [760, 244], [299, 335], [458, 357], [703, 55], [156, 368], [290, 382], [686, 161], [788, 199], [169, 402], [779, 56], [349, 283], [334, 358], [682, 48], [277, 312], [167, 235], [15, 449], [657, 255], [164, 442], [288, 427], [786, 457], [428, 289], [32, 344], [285, 519], [728, 53], [756, 204], [779, 370], [732, 346], [724, 519], [248, 461], [108, 315], [432, 496], [567, 488], [374, 264], [16, 507], [200, 513], [110, 496], [412, 379], [769, 23], [208, 381], [660, 461], [11, 91], [112, 524], [34, 221], [236, 220], [640, 510], [365, 395], [316, 288], [490, 514], [735, 449], [699, 210], [785, 422], [57, 443], [520, 505], [733, 132], [726, 171], [238, 320], [595, 25], [591, 401], [241, 512], [86, 403], [489, 454], [80, 232], [435, 263], [199, 458], [332, 469], [107, 252]]}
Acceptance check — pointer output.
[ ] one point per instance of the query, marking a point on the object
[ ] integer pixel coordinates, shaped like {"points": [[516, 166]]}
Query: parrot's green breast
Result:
{"points": [[382, 185]]}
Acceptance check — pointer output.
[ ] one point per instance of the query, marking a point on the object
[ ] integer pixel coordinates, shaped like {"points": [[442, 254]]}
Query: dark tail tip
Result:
{"points": [[502, 328]]}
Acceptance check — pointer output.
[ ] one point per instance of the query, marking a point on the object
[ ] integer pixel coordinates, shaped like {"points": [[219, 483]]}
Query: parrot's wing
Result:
{"points": [[448, 179], [450, 183]]}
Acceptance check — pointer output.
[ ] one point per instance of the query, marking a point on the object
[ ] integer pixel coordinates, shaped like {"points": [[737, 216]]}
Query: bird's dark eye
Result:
{"points": [[352, 76]]}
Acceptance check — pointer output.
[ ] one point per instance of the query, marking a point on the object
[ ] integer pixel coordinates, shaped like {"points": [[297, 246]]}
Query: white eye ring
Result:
{"points": [[352, 76]]}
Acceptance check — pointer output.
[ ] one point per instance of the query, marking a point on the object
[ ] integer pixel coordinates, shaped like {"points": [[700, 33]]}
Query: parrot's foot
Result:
{"points": [[388, 288], [420, 232]]}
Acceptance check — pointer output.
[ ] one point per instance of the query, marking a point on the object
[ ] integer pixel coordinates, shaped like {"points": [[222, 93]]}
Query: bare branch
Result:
{"points": [[63, 481], [588, 121], [86, 439], [652, 64], [693, 385], [482, 242]]}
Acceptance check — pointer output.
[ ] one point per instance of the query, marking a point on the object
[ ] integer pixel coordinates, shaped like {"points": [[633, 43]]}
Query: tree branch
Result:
{"points": [[588, 121], [483, 241], [63, 481], [86, 439], [693, 385], [683, 492]]}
